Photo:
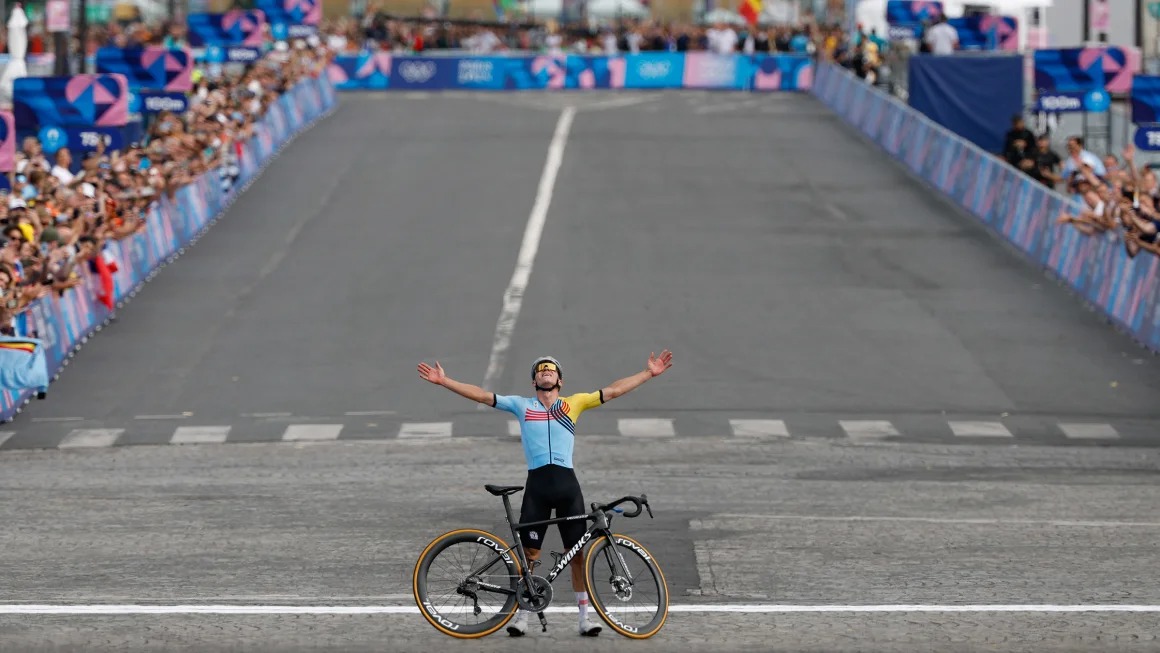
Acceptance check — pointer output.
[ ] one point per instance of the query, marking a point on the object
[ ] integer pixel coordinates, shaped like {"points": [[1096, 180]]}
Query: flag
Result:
{"points": [[750, 10], [100, 265], [22, 364], [502, 7]]}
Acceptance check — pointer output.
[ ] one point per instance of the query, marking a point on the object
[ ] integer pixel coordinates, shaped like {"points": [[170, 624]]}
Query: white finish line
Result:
{"points": [[407, 609]]}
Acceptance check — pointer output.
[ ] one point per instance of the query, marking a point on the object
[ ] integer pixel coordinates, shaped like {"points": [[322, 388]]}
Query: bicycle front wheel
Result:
{"points": [[465, 583], [626, 586]]}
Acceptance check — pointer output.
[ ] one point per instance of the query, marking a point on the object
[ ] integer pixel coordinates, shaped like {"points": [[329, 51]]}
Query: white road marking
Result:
{"points": [[731, 106], [58, 419], [5, 435], [94, 599], [200, 435], [312, 432], [1090, 431], [78, 438], [124, 609], [646, 427], [425, 430], [838, 213], [160, 416], [368, 413], [698, 524], [616, 102], [759, 428], [513, 297], [980, 429], [266, 414], [868, 429]]}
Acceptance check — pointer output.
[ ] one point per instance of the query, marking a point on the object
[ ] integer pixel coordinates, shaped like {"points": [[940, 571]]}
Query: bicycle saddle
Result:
{"points": [[502, 490]]}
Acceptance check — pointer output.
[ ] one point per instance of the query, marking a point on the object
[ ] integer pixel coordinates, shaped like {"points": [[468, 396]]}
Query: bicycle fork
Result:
{"points": [[523, 558]]}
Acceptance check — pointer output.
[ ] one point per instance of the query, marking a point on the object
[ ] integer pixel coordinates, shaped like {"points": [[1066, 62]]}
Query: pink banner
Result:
{"points": [[1101, 12]]}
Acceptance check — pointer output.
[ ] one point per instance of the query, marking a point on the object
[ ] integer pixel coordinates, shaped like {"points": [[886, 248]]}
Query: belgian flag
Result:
{"points": [[750, 10], [23, 365]]}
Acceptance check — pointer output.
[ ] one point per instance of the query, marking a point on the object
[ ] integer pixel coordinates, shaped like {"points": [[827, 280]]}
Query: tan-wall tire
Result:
{"points": [[418, 584], [594, 552]]}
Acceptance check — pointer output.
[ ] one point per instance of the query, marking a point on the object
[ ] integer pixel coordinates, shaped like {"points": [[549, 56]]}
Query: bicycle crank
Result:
{"points": [[538, 598]]}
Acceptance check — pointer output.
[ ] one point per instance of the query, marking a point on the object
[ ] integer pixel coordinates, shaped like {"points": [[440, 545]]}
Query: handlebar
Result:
{"points": [[640, 503]]}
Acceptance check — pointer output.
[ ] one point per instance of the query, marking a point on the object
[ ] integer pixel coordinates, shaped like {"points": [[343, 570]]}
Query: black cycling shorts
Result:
{"points": [[552, 487]]}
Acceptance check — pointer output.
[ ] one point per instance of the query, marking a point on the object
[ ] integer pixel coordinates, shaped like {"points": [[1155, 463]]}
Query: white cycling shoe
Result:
{"points": [[589, 629], [518, 627]]}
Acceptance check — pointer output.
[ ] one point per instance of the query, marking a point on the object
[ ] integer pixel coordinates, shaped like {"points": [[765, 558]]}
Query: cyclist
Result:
{"points": [[547, 428]]}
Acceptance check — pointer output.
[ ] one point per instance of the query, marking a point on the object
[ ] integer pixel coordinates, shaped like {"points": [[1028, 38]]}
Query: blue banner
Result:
{"points": [[906, 19], [1147, 137], [651, 70], [1015, 206], [654, 70], [1070, 80], [1145, 99], [61, 322], [152, 68], [230, 54], [76, 101], [158, 102], [234, 27]]}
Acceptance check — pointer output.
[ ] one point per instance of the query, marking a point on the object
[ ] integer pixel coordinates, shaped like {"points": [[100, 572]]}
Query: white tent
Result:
{"points": [[722, 16], [614, 8], [597, 9], [17, 49], [780, 12]]}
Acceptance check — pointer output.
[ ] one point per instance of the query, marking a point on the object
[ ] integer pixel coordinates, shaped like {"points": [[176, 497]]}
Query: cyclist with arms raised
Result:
{"points": [[547, 428]]}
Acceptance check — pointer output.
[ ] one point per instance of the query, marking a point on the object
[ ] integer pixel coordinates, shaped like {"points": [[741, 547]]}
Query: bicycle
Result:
{"points": [[514, 583]]}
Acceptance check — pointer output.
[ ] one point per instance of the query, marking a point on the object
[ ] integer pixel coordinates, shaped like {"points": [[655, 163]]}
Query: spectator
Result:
{"points": [[59, 216], [941, 37], [1020, 155], [1078, 156], [1018, 131], [1046, 163], [1124, 205]]}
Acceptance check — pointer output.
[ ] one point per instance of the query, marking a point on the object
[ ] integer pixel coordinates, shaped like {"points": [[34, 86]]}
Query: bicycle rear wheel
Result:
{"points": [[626, 586], [451, 582]]}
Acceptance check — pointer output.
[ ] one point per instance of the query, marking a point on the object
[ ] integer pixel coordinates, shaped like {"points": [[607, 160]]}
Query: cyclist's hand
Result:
{"points": [[433, 374], [657, 365]]}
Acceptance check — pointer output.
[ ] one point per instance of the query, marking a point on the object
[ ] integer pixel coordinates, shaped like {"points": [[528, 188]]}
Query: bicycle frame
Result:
{"points": [[600, 527]]}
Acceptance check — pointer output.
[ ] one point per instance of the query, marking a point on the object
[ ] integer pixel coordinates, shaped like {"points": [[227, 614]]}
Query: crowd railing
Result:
{"points": [[64, 322], [1022, 211]]}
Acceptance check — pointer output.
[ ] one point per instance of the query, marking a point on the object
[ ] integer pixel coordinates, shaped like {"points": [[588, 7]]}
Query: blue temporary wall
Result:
{"points": [[974, 97], [647, 70]]}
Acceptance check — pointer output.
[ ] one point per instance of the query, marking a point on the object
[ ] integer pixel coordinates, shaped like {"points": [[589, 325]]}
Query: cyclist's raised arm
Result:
{"points": [[655, 367], [437, 376]]}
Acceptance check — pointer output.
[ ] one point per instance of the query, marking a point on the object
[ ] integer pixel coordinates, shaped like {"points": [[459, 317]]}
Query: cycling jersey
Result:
{"points": [[548, 433]]}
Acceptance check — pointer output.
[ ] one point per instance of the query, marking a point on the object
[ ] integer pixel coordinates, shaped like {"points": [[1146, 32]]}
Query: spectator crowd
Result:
{"points": [[1117, 196], [62, 208], [378, 31]]}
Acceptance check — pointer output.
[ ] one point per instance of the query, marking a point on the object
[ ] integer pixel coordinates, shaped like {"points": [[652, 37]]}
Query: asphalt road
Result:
{"points": [[873, 402], [799, 278]]}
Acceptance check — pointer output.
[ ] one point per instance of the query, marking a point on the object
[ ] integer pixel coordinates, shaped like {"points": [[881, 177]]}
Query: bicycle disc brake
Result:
{"points": [[538, 598]]}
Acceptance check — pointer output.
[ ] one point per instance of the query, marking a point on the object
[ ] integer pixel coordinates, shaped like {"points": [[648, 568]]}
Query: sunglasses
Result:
{"points": [[551, 367]]}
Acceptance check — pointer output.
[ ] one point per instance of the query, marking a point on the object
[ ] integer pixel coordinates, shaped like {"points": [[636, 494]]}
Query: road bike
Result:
{"points": [[464, 568]]}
